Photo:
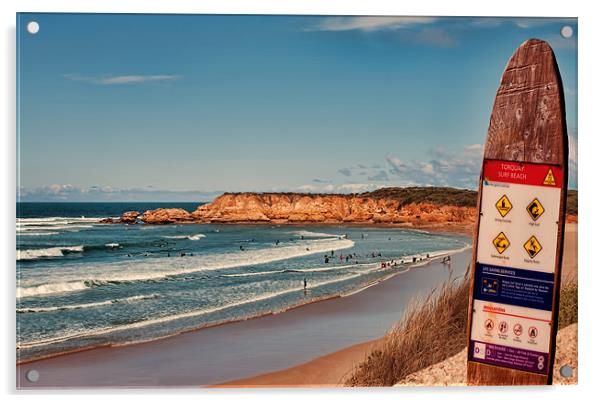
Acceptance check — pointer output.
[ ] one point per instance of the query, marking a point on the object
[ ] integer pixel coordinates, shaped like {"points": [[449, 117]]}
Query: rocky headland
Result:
{"points": [[420, 207]]}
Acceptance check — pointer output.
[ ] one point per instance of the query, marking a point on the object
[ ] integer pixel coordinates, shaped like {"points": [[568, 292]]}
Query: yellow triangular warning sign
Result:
{"points": [[549, 180]]}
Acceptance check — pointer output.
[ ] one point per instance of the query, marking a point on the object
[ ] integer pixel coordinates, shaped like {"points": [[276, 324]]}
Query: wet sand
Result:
{"points": [[245, 349]]}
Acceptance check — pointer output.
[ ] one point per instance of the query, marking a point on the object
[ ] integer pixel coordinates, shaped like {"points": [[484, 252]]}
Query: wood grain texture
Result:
{"points": [[527, 124]]}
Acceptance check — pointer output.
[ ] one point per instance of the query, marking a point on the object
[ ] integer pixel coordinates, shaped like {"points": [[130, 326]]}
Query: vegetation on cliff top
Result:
{"points": [[434, 195], [423, 194]]}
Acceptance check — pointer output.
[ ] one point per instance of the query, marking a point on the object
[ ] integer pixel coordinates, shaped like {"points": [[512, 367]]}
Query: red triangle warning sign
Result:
{"points": [[549, 180]]}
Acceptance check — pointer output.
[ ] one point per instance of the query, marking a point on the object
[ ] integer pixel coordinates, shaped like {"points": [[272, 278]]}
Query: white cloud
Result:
{"points": [[120, 80], [446, 168], [429, 36], [369, 23]]}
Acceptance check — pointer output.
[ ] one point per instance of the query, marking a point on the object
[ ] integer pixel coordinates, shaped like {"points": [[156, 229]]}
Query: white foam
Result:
{"points": [[53, 227], [299, 270], [84, 306], [305, 233], [190, 237], [256, 273], [31, 254], [37, 233], [112, 245], [62, 279], [54, 220], [54, 288]]}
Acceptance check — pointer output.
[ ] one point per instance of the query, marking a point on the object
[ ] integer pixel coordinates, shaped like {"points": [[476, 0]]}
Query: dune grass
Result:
{"points": [[433, 329]]}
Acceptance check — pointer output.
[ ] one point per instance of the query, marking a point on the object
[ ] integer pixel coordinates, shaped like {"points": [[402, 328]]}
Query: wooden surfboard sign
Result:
{"points": [[519, 235]]}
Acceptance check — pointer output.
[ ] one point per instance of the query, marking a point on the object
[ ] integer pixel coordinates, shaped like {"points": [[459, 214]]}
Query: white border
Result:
{"points": [[589, 180]]}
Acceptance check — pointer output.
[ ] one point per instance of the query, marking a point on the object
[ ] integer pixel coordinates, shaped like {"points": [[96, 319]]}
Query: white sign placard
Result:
{"points": [[519, 226], [512, 326]]}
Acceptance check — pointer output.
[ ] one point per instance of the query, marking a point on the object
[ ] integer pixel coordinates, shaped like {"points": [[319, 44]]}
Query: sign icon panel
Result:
{"points": [[549, 180], [532, 246], [501, 243], [535, 209], [503, 205]]}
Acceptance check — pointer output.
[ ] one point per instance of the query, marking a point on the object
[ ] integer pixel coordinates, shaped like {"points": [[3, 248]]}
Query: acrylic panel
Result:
{"points": [[284, 201]]}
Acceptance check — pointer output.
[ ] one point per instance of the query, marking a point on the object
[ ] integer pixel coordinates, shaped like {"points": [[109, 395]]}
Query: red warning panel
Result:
{"points": [[522, 173]]}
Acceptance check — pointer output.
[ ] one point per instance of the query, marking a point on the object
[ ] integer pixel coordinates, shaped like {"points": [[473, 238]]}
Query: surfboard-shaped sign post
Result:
{"points": [[518, 241]]}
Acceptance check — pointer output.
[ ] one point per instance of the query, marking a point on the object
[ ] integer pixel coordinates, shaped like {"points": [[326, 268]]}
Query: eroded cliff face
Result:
{"points": [[166, 216], [282, 208]]}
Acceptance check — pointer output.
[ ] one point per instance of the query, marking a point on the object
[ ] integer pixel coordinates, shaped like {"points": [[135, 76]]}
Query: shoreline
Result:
{"points": [[82, 356]]}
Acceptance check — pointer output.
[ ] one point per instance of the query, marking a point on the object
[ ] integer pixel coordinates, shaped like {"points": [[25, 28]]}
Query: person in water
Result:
{"points": [[305, 283]]}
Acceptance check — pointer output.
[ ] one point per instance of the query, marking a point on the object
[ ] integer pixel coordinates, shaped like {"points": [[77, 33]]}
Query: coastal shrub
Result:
{"points": [[432, 329], [567, 308]]}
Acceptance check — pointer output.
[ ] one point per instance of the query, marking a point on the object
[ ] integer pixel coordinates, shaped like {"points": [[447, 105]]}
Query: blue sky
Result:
{"points": [[184, 107]]}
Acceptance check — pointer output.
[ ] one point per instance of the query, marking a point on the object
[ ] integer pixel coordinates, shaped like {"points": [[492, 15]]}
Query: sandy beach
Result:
{"points": [[244, 349]]}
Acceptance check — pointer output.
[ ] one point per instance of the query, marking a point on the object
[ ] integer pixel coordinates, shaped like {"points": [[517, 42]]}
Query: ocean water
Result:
{"points": [[81, 284]]}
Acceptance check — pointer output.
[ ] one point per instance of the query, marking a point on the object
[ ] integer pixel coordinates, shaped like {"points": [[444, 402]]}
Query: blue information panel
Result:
{"points": [[527, 288]]}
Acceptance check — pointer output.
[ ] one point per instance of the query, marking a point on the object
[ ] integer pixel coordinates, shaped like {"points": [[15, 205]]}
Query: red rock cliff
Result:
{"points": [[282, 208]]}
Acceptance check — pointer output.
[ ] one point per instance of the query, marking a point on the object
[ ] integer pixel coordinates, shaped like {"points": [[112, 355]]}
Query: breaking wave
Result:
{"points": [[155, 270], [84, 306], [190, 237], [32, 254], [312, 234]]}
